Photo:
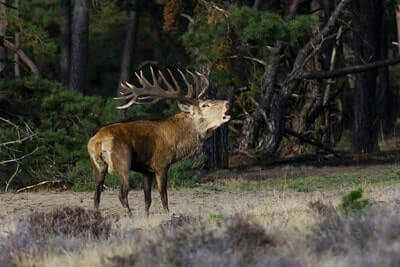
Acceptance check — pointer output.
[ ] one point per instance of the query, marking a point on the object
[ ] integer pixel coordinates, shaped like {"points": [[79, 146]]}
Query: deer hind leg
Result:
{"points": [[161, 179], [99, 174], [120, 157], [99, 167]]}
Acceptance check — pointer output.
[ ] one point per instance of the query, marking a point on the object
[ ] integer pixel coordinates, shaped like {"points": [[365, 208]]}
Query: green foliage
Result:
{"points": [[182, 174], [63, 121], [258, 25], [353, 202], [33, 24], [206, 42], [268, 27]]}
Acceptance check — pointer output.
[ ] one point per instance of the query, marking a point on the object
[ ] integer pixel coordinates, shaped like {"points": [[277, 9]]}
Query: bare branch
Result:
{"points": [[349, 70], [12, 176], [4, 162], [311, 141], [189, 18], [303, 55], [18, 141], [259, 61], [38, 185]]}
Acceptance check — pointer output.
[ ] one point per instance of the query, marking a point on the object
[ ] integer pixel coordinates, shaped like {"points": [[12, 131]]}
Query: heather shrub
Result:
{"points": [[321, 209], [189, 242], [70, 221], [59, 230]]}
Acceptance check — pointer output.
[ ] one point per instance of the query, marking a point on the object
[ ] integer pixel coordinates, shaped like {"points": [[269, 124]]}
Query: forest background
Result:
{"points": [[305, 77]]}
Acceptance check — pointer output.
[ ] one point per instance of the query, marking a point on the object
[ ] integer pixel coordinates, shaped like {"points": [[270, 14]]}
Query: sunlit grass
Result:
{"points": [[311, 183]]}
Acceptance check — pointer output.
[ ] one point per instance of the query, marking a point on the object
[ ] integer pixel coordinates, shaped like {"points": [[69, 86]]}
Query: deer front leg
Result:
{"points": [[161, 178], [147, 183]]}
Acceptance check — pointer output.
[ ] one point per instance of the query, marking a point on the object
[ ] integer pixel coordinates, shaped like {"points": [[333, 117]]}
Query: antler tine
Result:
{"points": [[196, 82], [169, 86], [155, 82], [131, 102], [143, 81], [178, 88], [207, 83], [150, 91], [188, 85]]}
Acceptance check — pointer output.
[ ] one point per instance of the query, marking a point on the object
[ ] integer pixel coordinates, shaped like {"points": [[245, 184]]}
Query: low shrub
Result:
{"points": [[61, 230], [353, 202], [191, 243], [70, 221]]}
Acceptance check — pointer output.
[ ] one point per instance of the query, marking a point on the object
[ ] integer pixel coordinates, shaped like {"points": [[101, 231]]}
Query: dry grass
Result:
{"points": [[220, 228]]}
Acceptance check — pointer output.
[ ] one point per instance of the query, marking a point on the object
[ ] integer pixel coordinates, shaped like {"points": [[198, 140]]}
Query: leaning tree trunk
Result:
{"points": [[79, 46], [65, 41], [367, 21], [129, 51]]}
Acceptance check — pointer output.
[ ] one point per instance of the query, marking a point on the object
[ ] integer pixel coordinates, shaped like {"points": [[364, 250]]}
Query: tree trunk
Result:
{"points": [[17, 70], [256, 4], [252, 122], [65, 41], [3, 29], [156, 38], [384, 89], [398, 26], [367, 19], [129, 49], [215, 148], [79, 46]]}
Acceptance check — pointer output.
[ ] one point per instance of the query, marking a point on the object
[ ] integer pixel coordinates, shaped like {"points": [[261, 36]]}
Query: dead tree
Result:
{"points": [[274, 107]]}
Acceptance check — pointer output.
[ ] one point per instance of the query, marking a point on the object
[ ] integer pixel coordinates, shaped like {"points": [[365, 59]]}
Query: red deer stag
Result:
{"points": [[150, 147]]}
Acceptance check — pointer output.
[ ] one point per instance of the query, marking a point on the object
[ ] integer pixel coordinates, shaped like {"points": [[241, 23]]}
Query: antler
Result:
{"points": [[151, 93]]}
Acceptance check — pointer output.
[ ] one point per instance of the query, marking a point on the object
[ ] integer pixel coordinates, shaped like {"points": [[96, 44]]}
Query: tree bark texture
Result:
{"points": [[215, 148], [79, 46], [65, 41], [17, 69], [129, 49], [3, 29], [387, 98], [367, 19], [251, 123]]}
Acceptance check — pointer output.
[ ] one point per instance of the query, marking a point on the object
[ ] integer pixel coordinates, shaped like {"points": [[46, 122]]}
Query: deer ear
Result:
{"points": [[186, 108]]}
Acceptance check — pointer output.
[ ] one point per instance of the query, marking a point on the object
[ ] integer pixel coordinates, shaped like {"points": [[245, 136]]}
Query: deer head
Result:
{"points": [[205, 115]]}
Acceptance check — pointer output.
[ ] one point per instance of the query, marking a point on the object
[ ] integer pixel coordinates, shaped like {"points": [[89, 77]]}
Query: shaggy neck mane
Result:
{"points": [[183, 136]]}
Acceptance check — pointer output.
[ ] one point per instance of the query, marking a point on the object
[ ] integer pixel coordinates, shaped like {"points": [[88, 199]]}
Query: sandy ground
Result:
{"points": [[271, 206]]}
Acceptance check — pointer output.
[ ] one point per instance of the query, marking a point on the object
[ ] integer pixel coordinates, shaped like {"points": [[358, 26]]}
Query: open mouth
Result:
{"points": [[226, 117]]}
